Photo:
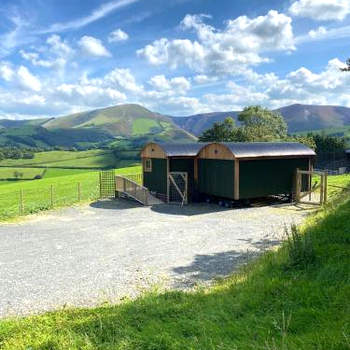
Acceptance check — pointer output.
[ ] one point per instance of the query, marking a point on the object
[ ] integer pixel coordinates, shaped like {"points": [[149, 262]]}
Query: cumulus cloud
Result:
{"points": [[241, 43], [91, 46], [177, 84], [122, 78], [117, 35], [319, 32], [6, 72], [27, 80], [321, 10], [204, 79]]}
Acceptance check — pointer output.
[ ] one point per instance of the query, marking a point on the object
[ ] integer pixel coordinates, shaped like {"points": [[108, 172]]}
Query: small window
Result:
{"points": [[148, 165]]}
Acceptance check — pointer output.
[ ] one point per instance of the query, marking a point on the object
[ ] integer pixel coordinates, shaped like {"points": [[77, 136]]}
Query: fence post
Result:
{"points": [[322, 189], [21, 206], [79, 192], [325, 193], [51, 195], [100, 184], [297, 188]]}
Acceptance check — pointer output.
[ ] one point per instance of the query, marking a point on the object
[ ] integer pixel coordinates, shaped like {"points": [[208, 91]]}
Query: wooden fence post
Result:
{"points": [[297, 187], [100, 184], [79, 192], [322, 189], [325, 193], [51, 196], [21, 205]]}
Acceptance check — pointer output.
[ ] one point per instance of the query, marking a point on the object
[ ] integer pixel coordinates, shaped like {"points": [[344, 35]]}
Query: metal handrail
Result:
{"points": [[125, 185]]}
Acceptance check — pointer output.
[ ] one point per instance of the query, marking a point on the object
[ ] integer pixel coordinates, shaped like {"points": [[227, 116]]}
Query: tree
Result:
{"points": [[261, 124], [220, 131], [346, 69]]}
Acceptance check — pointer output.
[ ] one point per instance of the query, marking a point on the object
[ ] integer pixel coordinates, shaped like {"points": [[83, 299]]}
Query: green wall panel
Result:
{"points": [[216, 177], [259, 178], [156, 180], [186, 165]]}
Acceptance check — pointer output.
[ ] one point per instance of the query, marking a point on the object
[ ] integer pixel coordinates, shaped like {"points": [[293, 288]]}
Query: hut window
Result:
{"points": [[148, 165]]}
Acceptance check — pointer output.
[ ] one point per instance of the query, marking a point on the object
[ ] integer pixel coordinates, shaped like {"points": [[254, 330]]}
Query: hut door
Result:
{"points": [[178, 187]]}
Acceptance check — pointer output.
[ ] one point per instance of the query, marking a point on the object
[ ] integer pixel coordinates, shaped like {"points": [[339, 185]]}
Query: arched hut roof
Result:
{"points": [[164, 150], [241, 150]]}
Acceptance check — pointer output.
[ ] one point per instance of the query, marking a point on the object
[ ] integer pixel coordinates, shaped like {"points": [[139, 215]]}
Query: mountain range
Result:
{"points": [[134, 123]]}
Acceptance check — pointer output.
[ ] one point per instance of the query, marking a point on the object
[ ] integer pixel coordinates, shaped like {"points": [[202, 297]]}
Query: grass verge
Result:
{"points": [[294, 298]]}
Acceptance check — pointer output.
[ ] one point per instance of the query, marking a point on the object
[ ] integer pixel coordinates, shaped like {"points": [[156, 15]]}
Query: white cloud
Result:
{"points": [[6, 72], [91, 46], [27, 80], [88, 95], [220, 52], [177, 85], [323, 33], [122, 79], [319, 32], [58, 46], [98, 13], [55, 54], [321, 10], [117, 35], [204, 79]]}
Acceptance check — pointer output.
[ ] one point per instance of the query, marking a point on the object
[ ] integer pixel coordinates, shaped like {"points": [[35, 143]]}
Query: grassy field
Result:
{"points": [[295, 298], [36, 195], [92, 158], [26, 173]]}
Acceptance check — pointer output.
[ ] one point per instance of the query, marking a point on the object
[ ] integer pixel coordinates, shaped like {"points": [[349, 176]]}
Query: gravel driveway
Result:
{"points": [[111, 249]]}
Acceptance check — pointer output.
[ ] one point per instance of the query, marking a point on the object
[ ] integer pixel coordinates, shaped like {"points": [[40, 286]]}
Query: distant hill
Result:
{"points": [[93, 128], [310, 117], [298, 117], [132, 125]]}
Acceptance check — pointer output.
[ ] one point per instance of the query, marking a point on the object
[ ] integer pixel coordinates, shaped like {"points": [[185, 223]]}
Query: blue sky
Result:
{"points": [[176, 57]]}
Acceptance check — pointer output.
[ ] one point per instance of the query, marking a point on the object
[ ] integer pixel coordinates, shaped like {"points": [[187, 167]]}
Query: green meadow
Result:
{"points": [[59, 187], [293, 298]]}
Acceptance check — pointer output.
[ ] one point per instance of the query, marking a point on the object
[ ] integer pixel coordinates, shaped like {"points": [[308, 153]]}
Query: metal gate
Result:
{"points": [[311, 187], [107, 184], [178, 187]]}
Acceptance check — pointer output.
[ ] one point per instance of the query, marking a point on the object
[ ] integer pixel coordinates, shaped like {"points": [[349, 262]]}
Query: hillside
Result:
{"points": [[129, 120], [298, 117], [132, 125], [93, 128]]}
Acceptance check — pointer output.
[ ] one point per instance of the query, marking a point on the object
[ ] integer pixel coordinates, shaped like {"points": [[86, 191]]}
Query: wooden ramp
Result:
{"points": [[132, 189]]}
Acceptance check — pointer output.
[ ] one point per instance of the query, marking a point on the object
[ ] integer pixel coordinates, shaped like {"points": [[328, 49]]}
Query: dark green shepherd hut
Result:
{"points": [[251, 170], [162, 162]]}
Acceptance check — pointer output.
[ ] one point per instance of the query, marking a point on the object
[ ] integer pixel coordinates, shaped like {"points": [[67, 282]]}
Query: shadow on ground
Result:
{"points": [[188, 210], [206, 268], [115, 204]]}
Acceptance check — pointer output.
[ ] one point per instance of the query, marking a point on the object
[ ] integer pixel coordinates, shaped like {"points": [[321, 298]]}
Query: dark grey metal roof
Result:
{"points": [[268, 149], [181, 149]]}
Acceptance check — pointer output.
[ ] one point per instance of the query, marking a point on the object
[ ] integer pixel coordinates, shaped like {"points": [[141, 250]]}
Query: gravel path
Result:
{"points": [[111, 249]]}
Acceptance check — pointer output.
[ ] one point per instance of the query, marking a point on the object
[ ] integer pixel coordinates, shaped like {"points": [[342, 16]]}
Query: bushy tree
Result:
{"points": [[257, 124], [329, 144], [220, 131], [305, 140], [261, 124]]}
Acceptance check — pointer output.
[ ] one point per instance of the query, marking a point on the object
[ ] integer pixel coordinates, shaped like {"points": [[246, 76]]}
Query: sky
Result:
{"points": [[176, 57]]}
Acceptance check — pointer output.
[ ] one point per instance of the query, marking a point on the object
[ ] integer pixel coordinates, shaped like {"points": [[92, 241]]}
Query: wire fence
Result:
{"points": [[43, 195]]}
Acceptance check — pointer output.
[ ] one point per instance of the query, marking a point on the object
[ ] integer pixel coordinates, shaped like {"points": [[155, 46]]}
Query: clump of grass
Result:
{"points": [[300, 248]]}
